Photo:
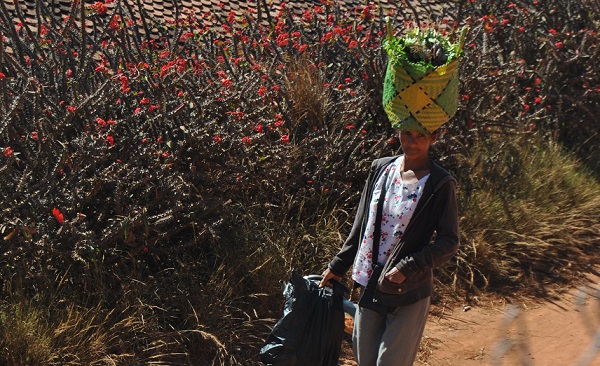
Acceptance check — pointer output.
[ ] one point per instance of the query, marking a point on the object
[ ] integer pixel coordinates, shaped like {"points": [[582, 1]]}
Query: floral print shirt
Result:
{"points": [[400, 201]]}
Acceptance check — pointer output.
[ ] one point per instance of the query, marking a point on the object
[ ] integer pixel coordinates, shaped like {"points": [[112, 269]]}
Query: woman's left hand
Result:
{"points": [[394, 275]]}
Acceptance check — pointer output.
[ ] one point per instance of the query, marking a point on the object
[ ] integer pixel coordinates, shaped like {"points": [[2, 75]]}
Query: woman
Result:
{"points": [[406, 199]]}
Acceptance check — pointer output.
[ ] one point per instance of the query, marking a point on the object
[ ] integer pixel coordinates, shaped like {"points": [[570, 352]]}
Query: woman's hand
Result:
{"points": [[395, 276], [327, 277]]}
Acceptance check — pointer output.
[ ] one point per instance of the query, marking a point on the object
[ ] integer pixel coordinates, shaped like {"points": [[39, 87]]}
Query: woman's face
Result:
{"points": [[416, 145]]}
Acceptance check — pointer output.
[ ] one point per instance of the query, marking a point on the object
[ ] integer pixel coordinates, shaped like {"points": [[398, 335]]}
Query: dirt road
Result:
{"points": [[563, 332]]}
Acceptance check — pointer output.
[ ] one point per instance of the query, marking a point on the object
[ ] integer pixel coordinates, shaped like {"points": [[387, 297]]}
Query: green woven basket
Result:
{"points": [[420, 100]]}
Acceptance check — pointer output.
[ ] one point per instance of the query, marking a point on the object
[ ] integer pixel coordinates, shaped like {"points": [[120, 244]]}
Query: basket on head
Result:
{"points": [[420, 99]]}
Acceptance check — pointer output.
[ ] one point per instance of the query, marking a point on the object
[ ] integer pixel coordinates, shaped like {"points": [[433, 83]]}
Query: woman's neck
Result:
{"points": [[419, 164]]}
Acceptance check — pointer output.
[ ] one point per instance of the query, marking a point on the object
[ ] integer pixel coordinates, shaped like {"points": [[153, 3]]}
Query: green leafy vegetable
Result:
{"points": [[423, 49]]}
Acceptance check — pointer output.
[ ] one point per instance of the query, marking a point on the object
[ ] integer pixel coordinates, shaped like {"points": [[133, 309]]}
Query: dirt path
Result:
{"points": [[556, 333]]}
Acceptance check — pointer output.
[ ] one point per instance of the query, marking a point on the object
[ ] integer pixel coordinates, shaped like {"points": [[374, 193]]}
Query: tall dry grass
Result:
{"points": [[530, 218]]}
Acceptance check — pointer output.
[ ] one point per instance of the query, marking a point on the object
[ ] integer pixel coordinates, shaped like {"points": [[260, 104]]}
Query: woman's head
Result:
{"points": [[416, 145]]}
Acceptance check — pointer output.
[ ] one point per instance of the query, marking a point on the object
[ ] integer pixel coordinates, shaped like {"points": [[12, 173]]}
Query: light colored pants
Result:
{"points": [[392, 339]]}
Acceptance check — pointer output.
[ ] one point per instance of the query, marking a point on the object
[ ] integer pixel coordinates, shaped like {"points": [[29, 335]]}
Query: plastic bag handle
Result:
{"points": [[318, 278], [348, 306]]}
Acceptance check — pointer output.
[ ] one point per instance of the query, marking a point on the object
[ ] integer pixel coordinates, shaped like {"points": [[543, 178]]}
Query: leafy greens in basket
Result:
{"points": [[423, 49]]}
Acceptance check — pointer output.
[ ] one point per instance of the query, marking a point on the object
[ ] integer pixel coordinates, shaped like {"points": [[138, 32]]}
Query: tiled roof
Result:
{"points": [[167, 10]]}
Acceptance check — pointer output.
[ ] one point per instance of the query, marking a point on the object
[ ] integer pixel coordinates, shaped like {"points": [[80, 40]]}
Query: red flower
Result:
{"points": [[247, 140], [114, 23], [100, 7], [285, 138], [58, 215], [283, 39], [110, 140], [237, 114], [231, 17], [2, 76], [558, 45], [307, 15], [326, 37], [217, 139], [124, 83], [262, 91], [8, 151], [186, 35]]}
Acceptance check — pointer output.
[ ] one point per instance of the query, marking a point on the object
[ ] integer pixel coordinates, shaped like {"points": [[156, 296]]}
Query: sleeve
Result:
{"points": [[447, 238]]}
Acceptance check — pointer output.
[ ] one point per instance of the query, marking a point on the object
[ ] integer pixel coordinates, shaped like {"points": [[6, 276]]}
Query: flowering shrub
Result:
{"points": [[139, 153], [532, 61]]}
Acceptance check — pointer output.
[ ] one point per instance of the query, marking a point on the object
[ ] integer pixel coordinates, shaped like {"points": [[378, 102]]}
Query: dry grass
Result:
{"points": [[529, 219]]}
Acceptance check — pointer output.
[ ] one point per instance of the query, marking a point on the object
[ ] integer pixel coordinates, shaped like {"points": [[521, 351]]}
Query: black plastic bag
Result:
{"points": [[311, 330]]}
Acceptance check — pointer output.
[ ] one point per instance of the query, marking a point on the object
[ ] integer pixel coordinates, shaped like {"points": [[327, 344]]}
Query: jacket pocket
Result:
{"points": [[388, 287]]}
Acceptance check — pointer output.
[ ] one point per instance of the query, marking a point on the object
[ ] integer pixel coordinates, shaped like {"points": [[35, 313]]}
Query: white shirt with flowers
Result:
{"points": [[400, 201]]}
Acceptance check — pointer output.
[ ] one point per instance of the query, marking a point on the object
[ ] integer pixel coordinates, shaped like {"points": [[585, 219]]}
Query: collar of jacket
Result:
{"points": [[438, 177]]}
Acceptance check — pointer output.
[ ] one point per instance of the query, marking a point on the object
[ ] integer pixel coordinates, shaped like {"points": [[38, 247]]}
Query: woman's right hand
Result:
{"points": [[327, 277]]}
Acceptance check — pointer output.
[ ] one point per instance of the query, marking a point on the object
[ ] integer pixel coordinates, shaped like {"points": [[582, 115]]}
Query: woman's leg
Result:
{"points": [[366, 336], [403, 331]]}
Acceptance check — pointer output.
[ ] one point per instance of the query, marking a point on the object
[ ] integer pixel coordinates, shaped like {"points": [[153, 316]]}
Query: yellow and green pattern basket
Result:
{"points": [[420, 100]]}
